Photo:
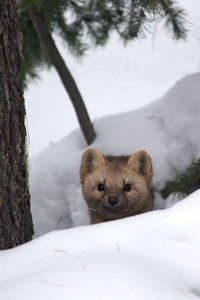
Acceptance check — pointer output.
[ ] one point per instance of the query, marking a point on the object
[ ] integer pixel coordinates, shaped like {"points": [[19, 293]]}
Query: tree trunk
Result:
{"points": [[50, 48], [16, 226]]}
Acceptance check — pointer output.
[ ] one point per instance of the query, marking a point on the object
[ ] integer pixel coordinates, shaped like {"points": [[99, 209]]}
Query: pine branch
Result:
{"points": [[87, 23], [184, 184], [54, 55], [35, 58], [174, 18]]}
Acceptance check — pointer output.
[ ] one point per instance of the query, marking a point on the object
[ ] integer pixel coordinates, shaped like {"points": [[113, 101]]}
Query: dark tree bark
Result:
{"points": [[16, 226], [50, 48]]}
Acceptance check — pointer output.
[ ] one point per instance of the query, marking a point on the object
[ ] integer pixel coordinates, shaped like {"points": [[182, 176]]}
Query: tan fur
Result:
{"points": [[116, 174]]}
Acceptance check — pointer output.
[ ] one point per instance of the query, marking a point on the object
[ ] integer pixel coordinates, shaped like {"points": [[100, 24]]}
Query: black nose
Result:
{"points": [[112, 200]]}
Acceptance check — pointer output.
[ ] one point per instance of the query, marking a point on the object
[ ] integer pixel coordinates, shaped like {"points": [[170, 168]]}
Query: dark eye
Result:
{"points": [[100, 187], [127, 187]]}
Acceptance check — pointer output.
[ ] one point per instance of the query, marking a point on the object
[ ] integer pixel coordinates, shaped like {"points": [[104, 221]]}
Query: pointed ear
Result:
{"points": [[92, 159], [141, 163]]}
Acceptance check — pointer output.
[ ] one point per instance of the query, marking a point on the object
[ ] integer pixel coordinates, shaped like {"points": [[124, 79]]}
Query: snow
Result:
{"points": [[112, 79], [154, 255], [150, 256], [166, 129]]}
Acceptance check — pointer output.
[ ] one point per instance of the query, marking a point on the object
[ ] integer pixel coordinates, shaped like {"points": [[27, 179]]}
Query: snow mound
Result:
{"points": [[154, 255], [166, 129]]}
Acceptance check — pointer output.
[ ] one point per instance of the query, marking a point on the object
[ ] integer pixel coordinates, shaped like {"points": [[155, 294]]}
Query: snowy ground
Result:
{"points": [[150, 256]]}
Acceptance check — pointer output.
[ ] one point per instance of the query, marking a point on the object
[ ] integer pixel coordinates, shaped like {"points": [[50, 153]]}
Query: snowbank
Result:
{"points": [[149, 256], [166, 129]]}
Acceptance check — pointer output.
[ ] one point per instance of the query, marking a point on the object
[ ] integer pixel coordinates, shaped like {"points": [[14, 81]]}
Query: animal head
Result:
{"points": [[115, 187]]}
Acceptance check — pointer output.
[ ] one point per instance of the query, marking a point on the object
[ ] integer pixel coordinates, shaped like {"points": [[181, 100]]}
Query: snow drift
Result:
{"points": [[150, 256], [166, 129], [153, 255]]}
